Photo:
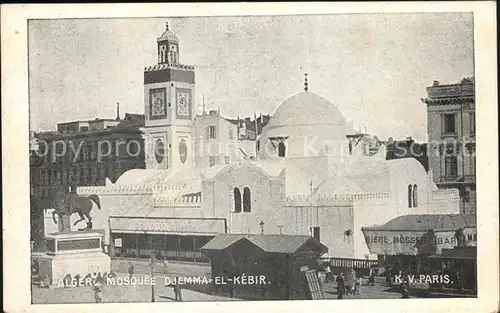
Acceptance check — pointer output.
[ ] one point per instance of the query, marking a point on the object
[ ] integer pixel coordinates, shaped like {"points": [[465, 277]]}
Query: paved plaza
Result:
{"points": [[124, 293]]}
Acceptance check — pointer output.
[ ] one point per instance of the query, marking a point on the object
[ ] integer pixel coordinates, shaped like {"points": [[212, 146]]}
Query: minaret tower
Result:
{"points": [[169, 89]]}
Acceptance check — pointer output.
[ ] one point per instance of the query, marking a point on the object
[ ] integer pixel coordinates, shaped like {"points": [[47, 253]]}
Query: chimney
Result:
{"points": [[256, 125], [118, 111], [238, 128]]}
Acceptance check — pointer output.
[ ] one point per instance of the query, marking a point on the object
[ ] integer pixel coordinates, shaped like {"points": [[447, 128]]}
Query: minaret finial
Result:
{"points": [[306, 83], [166, 25]]}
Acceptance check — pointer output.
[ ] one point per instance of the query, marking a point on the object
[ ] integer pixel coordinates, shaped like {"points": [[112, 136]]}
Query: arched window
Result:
{"points": [[247, 200], [281, 150], [237, 200], [415, 196], [410, 196]]}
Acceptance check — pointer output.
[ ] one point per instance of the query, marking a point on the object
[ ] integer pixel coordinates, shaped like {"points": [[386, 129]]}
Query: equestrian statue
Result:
{"points": [[67, 203]]}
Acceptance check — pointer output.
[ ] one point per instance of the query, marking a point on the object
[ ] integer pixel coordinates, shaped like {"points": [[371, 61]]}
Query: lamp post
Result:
{"points": [[152, 263], [261, 225]]}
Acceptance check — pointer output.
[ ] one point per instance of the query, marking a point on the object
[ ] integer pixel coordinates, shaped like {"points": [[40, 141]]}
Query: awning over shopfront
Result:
{"points": [[175, 226], [421, 234], [467, 253]]}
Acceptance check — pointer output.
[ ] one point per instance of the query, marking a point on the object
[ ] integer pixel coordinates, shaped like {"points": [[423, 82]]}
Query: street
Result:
{"points": [[142, 293]]}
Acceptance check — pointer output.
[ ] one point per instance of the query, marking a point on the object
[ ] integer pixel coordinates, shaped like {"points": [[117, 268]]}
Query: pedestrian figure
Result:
{"points": [[340, 286], [328, 274], [111, 274], [321, 280], [406, 281], [46, 281], [87, 277], [404, 292], [77, 278], [177, 290], [165, 266], [357, 286], [98, 290], [351, 277], [67, 280], [130, 270], [231, 285], [371, 276], [99, 277]]}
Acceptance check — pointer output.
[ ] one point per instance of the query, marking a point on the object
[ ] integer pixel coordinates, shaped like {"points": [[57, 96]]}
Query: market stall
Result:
{"points": [[276, 262]]}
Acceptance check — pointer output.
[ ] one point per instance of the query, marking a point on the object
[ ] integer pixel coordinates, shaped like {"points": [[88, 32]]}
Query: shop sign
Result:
{"points": [[386, 242]]}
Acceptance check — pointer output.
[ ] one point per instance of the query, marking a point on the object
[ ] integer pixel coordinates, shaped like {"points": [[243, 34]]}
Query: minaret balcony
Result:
{"points": [[164, 66]]}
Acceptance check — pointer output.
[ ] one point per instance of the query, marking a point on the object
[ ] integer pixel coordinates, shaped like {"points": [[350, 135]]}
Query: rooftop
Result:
{"points": [[423, 222], [287, 244]]}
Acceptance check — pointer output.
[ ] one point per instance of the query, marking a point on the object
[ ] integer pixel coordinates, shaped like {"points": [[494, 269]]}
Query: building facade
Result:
{"points": [[86, 153], [311, 175], [219, 140], [452, 138]]}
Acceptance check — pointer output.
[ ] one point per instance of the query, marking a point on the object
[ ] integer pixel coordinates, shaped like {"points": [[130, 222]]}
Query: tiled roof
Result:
{"points": [[422, 222], [269, 243], [222, 241]]}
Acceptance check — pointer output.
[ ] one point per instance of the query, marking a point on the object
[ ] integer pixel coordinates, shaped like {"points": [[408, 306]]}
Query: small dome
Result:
{"points": [[138, 176], [168, 35], [338, 186], [306, 109]]}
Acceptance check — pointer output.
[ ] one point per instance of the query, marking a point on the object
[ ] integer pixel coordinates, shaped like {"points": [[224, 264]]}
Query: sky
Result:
{"points": [[374, 67]]}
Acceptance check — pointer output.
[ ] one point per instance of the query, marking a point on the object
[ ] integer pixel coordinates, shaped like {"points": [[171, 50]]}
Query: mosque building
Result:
{"points": [[308, 173]]}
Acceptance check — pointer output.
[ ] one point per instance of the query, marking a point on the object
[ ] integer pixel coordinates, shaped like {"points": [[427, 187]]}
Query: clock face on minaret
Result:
{"points": [[157, 103], [183, 103]]}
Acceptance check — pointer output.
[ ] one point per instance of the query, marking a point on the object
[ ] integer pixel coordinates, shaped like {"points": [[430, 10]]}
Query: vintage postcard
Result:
{"points": [[216, 155]]}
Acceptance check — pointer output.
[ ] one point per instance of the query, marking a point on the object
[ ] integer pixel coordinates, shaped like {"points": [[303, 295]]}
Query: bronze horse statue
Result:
{"points": [[68, 203]]}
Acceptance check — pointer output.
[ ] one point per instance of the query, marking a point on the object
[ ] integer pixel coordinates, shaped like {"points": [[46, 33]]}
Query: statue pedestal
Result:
{"points": [[73, 253]]}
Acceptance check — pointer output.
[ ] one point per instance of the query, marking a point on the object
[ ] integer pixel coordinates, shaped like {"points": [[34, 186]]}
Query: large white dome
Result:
{"points": [[305, 125], [306, 109]]}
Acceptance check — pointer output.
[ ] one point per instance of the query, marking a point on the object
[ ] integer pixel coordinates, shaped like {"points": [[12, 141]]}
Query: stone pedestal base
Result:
{"points": [[73, 253], [57, 267]]}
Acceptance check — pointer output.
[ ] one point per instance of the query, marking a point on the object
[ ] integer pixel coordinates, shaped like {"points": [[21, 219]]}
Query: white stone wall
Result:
{"points": [[444, 201], [300, 172], [218, 197], [369, 210], [333, 220]]}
